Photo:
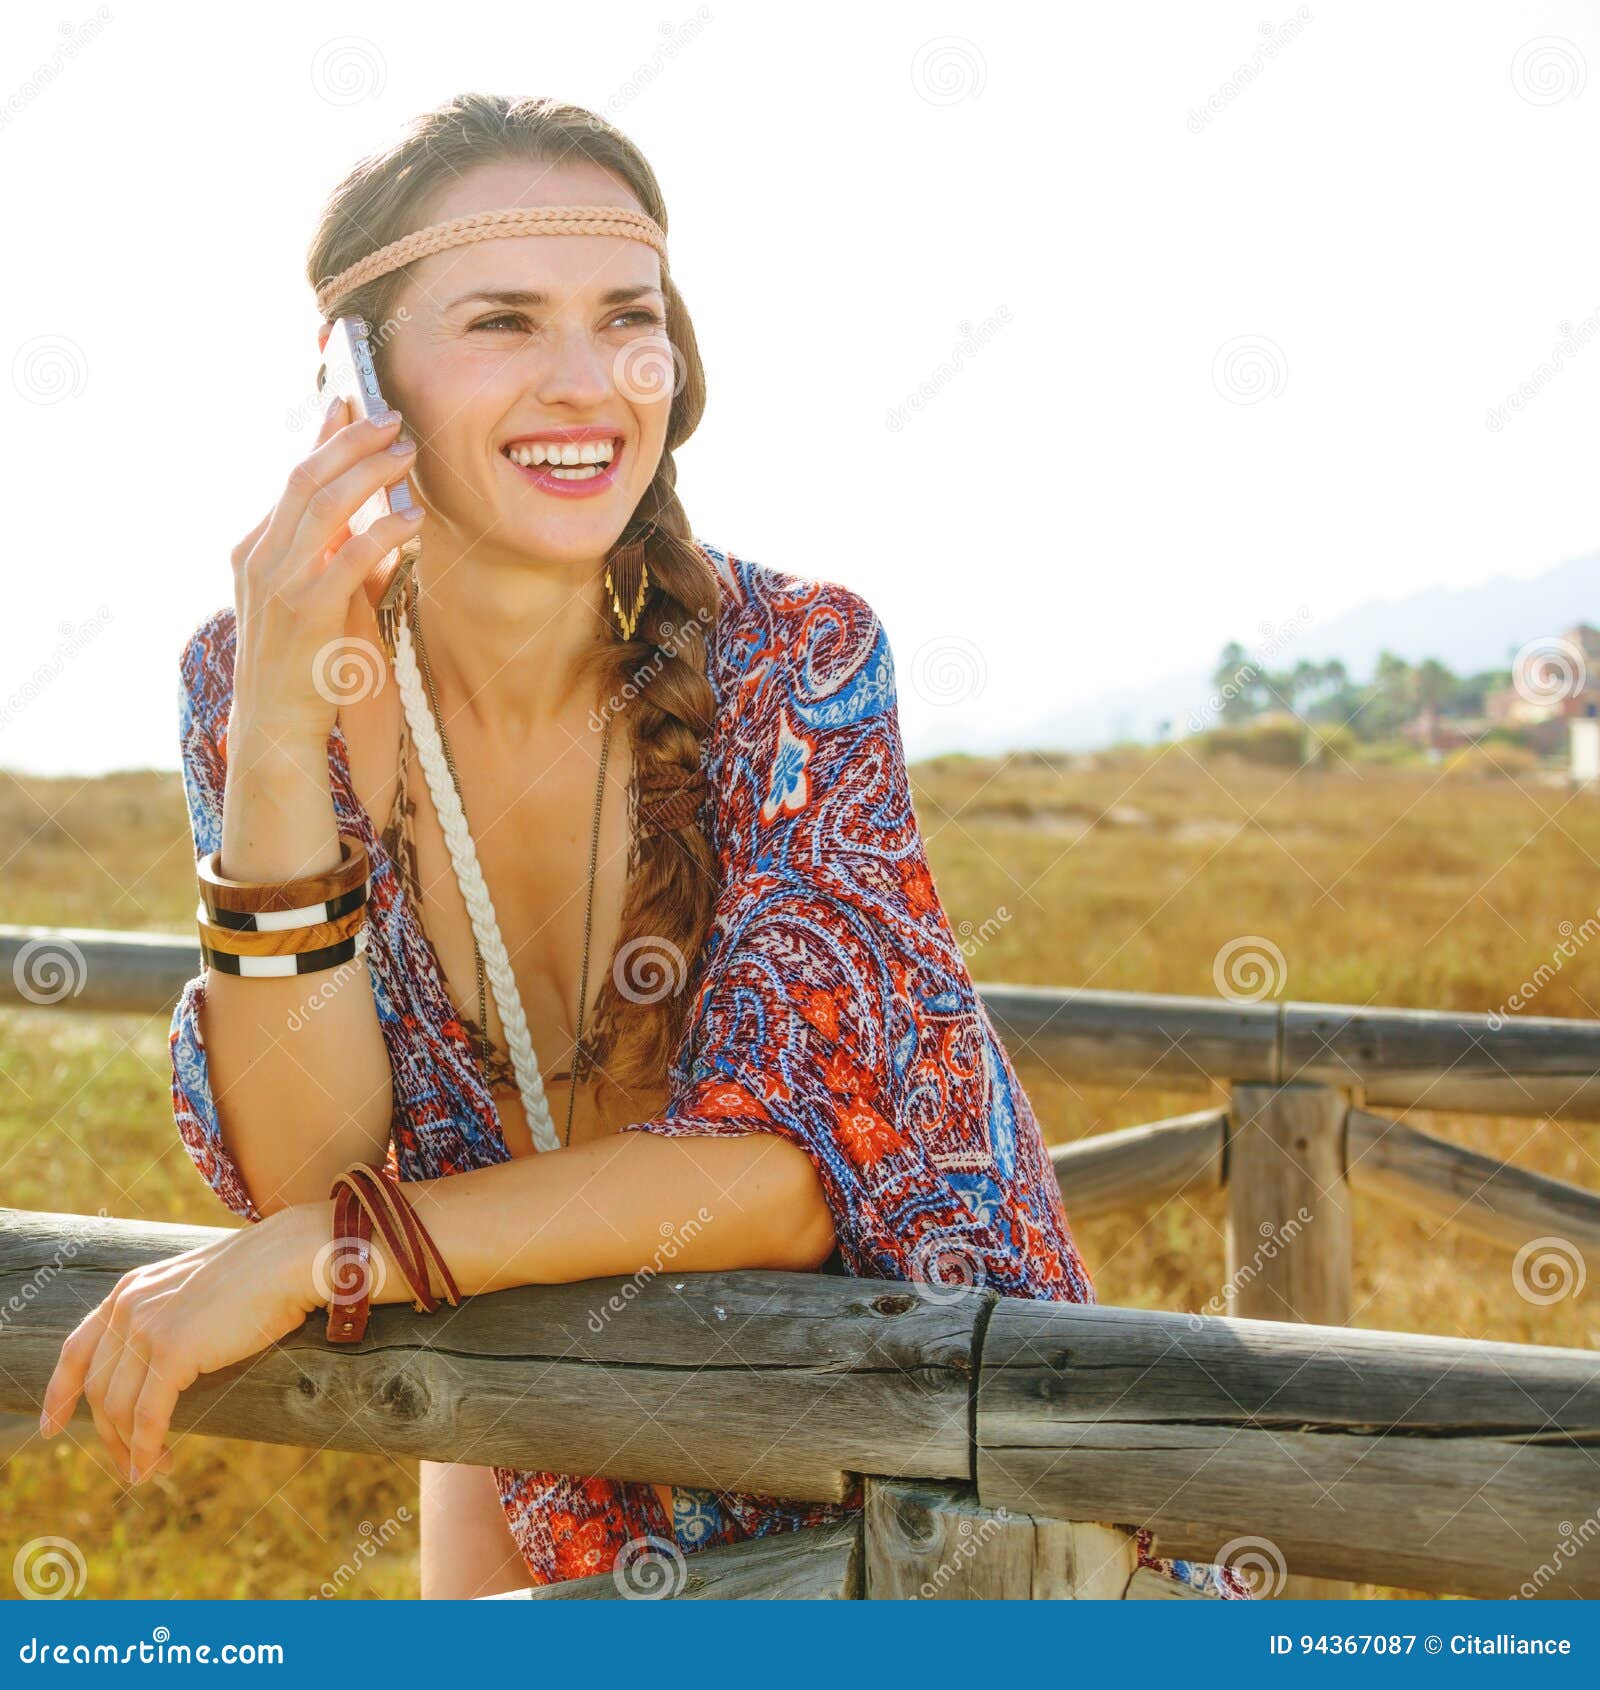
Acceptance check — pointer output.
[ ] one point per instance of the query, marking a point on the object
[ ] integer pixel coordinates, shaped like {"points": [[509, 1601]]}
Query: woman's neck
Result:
{"points": [[505, 637]]}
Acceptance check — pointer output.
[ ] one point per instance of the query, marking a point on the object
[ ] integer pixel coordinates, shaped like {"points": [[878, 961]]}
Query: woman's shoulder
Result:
{"points": [[817, 645]]}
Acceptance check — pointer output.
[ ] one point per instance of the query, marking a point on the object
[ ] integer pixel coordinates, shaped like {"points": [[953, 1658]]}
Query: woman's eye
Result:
{"points": [[514, 319]]}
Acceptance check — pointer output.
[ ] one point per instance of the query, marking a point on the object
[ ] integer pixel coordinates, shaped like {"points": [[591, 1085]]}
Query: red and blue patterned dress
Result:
{"points": [[833, 1006]]}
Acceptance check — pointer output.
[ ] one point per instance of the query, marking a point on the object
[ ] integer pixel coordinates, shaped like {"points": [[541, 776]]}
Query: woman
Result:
{"points": [[785, 1037]]}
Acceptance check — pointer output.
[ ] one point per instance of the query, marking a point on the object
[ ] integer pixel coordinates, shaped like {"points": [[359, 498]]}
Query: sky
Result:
{"points": [[1079, 340]]}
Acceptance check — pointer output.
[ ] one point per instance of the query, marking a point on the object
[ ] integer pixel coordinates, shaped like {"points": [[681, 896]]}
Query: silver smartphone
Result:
{"points": [[348, 371]]}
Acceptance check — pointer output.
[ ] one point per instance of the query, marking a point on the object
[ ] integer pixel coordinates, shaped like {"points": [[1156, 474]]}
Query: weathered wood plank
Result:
{"points": [[1142, 1166], [784, 1384], [1526, 1066], [1494, 1200], [1288, 1234], [1426, 1462], [927, 1542]]}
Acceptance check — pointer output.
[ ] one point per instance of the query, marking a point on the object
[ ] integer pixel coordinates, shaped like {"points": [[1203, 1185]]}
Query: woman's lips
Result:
{"points": [[539, 476]]}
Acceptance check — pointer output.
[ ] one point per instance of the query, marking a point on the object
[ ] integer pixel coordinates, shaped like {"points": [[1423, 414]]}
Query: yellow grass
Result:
{"points": [[1388, 886]]}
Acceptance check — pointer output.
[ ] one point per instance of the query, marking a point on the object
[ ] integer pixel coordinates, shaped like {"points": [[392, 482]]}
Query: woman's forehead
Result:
{"points": [[529, 182]]}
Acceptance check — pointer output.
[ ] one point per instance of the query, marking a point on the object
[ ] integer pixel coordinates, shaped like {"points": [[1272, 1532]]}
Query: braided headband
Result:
{"points": [[493, 225]]}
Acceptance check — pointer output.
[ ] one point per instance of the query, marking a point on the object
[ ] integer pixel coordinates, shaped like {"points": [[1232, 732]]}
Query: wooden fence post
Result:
{"points": [[1288, 1234]]}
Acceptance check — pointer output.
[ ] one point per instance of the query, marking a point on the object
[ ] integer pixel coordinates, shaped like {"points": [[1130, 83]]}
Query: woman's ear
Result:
{"points": [[322, 336]]}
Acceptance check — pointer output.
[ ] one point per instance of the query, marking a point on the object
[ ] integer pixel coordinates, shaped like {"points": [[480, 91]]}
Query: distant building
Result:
{"points": [[1546, 700]]}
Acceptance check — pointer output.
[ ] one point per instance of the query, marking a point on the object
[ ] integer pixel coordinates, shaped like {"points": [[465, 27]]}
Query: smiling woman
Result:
{"points": [[786, 1064]]}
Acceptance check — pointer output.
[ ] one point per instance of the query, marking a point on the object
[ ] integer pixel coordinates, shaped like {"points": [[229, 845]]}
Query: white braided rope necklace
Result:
{"points": [[425, 732]]}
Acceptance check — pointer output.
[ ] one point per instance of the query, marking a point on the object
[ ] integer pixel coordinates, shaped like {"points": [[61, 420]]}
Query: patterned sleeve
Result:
{"points": [[203, 694], [835, 1007]]}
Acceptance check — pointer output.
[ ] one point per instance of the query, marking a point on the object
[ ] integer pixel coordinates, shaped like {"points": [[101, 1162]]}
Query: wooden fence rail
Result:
{"points": [[885, 1380], [1524, 1066], [1428, 1462]]}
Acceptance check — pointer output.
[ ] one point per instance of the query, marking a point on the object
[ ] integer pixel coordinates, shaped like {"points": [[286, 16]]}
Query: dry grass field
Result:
{"points": [[1407, 886]]}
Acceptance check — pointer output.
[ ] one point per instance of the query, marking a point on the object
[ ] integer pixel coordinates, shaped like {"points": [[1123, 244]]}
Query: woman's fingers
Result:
{"points": [[66, 1383], [327, 487], [124, 1387], [151, 1416], [362, 553], [325, 524], [102, 1365]]}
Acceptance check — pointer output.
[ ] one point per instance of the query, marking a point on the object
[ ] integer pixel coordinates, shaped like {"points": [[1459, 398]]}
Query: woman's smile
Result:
{"points": [[571, 463]]}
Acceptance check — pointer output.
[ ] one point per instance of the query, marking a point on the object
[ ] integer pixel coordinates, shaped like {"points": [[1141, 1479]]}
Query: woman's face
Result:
{"points": [[523, 347]]}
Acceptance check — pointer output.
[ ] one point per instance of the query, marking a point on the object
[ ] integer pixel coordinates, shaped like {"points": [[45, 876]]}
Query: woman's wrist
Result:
{"points": [[303, 1232], [313, 1269]]}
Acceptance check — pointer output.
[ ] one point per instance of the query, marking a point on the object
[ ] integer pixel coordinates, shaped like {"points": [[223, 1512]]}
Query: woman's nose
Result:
{"points": [[576, 368]]}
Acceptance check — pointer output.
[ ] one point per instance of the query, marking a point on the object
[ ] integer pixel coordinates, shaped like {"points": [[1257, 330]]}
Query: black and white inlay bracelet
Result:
{"points": [[295, 962], [275, 921]]}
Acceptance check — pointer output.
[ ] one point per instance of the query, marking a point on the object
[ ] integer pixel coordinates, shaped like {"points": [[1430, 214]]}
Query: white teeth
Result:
{"points": [[556, 452], [584, 472]]}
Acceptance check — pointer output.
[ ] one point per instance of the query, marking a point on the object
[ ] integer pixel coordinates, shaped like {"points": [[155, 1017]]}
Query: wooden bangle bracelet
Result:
{"points": [[282, 941], [249, 897]]}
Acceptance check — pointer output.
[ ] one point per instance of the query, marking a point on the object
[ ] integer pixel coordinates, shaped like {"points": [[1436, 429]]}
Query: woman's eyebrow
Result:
{"points": [[524, 296]]}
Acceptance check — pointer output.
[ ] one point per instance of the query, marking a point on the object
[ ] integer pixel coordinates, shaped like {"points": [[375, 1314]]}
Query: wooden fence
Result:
{"points": [[994, 1434]]}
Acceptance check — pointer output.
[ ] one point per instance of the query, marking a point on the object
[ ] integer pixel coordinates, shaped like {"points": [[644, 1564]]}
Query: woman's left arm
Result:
{"points": [[611, 1206]]}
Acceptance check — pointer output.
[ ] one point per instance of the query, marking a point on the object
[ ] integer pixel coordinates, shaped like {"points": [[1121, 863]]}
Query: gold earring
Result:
{"points": [[628, 578]]}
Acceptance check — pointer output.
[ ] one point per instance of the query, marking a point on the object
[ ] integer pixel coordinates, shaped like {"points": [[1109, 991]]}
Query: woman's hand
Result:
{"points": [[166, 1323], [296, 571]]}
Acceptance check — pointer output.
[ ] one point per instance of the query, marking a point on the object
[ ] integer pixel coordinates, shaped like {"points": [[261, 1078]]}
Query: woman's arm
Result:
{"points": [[286, 1098], [622, 1204]]}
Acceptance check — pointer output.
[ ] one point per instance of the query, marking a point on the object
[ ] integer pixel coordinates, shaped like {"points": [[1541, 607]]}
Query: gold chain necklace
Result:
{"points": [[588, 911]]}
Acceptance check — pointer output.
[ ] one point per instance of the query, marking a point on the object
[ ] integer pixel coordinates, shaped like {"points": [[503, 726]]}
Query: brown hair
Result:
{"points": [[659, 676]]}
